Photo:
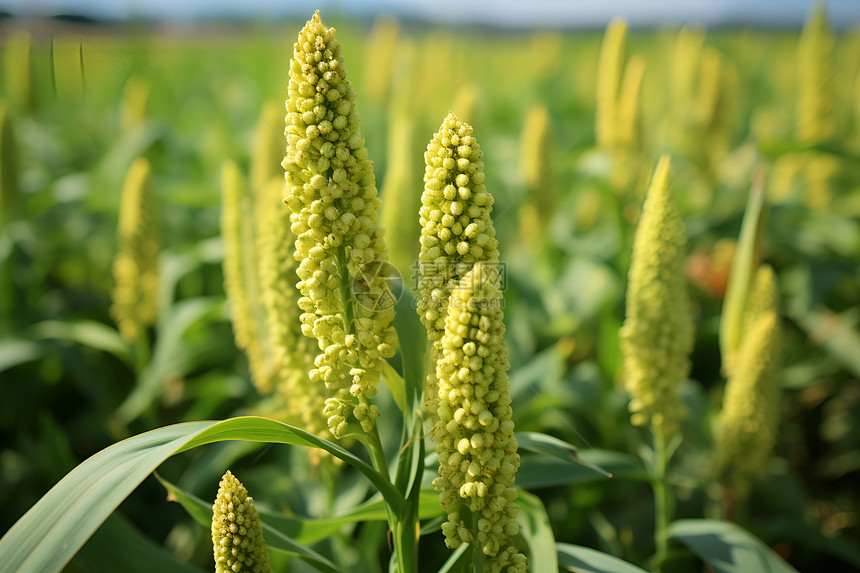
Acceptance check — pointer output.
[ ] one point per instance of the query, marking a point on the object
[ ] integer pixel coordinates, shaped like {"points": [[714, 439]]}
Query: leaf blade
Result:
{"points": [[727, 547], [535, 528], [587, 560], [56, 527]]}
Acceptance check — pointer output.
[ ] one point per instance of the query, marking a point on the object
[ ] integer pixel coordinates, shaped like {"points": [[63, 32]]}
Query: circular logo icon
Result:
{"points": [[378, 286]]}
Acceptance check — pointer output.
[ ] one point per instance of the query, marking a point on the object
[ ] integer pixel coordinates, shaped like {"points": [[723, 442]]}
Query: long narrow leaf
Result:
{"points": [[537, 532], [48, 535], [119, 546], [171, 356], [201, 512], [554, 447], [412, 337], [586, 560], [727, 548], [546, 471], [15, 351], [88, 333], [731, 321], [305, 530]]}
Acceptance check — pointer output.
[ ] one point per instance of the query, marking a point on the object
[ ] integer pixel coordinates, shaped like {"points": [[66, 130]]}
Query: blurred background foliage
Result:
{"points": [[81, 102]]}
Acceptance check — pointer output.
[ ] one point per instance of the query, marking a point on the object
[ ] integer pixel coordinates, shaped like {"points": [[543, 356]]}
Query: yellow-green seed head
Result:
{"points": [[628, 102], [241, 280], [709, 87], [715, 109], [401, 191], [536, 158], [740, 276], [9, 191], [820, 169], [135, 97], [380, 56], [135, 268], [609, 72], [466, 102], [292, 353], [268, 150], [686, 63], [237, 533], [68, 57], [347, 304], [816, 122], [657, 335], [750, 417], [456, 229], [474, 430], [762, 298], [17, 66]]}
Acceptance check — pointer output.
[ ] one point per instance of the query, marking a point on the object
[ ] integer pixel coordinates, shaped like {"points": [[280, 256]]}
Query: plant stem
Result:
{"points": [[377, 455], [141, 350], [729, 505], [403, 537], [661, 501], [345, 289]]}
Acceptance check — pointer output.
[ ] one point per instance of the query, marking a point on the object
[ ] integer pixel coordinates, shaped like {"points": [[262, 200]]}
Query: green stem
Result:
{"points": [[477, 555], [345, 289], [661, 500], [141, 350], [377, 455], [402, 540]]}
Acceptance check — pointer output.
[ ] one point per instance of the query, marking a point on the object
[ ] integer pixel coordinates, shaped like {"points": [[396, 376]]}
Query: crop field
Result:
{"points": [[416, 299]]}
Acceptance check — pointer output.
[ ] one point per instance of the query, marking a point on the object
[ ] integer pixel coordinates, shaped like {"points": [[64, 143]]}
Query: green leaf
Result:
{"points": [[537, 532], [305, 530], [546, 445], [731, 321], [88, 333], [173, 266], [586, 560], [395, 383], [727, 548], [412, 350], [201, 512], [14, 351], [545, 471], [280, 542], [553, 447], [835, 333], [118, 546], [171, 357], [457, 559], [50, 533]]}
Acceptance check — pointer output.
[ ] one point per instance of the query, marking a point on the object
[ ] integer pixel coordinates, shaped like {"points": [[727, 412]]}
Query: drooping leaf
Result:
{"points": [[118, 546], [88, 333], [546, 471], [731, 321], [305, 530], [457, 560], [171, 356], [726, 547], [14, 351], [537, 533], [412, 349], [586, 560], [553, 447], [54, 529]]}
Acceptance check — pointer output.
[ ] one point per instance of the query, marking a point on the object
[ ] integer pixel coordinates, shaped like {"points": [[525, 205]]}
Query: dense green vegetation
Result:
{"points": [[729, 107]]}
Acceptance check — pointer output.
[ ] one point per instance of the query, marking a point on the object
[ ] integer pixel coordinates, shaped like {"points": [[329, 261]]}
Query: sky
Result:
{"points": [[506, 13]]}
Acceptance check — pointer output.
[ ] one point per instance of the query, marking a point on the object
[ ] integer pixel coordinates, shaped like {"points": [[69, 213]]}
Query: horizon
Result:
{"points": [[843, 14]]}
